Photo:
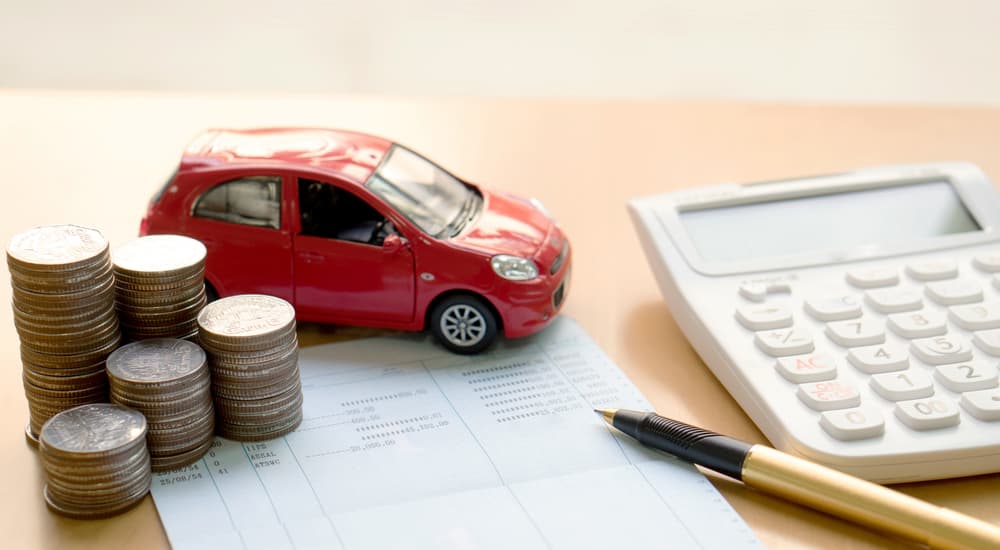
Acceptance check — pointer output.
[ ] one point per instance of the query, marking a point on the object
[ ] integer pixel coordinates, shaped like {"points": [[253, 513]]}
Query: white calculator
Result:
{"points": [[855, 317]]}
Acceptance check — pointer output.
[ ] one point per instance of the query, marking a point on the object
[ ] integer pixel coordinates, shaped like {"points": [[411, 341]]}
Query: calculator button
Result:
{"points": [[894, 300], [873, 277], [900, 386], [886, 357], [807, 368], [764, 317], [971, 376], [834, 308], [829, 395], [934, 270], [989, 263], [949, 293], [918, 324], [976, 316], [940, 350], [927, 414], [987, 340], [755, 292], [858, 332], [784, 341], [853, 424], [984, 404]]}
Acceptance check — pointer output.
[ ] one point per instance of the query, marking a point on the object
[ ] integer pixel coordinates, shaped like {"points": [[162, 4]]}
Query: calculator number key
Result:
{"points": [[784, 341], [873, 277], [927, 414], [886, 357], [989, 263], [983, 404], [829, 395], [853, 424], [807, 368], [941, 350], [901, 386], [894, 300], [857, 332], [764, 317], [918, 324], [834, 308], [948, 293], [987, 340], [934, 270], [963, 377], [976, 316]]}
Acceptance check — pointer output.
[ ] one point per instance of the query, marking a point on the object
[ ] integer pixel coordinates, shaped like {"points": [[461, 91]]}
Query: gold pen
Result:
{"points": [[808, 483]]}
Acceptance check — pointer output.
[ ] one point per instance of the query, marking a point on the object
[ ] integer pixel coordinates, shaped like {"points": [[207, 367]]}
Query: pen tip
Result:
{"points": [[607, 414]]}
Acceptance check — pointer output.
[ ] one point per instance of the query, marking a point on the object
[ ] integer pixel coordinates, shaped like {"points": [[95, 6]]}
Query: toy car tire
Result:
{"points": [[464, 324]]}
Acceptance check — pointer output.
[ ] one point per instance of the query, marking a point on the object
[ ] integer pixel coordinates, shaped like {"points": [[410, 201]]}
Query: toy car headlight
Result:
{"points": [[514, 268]]}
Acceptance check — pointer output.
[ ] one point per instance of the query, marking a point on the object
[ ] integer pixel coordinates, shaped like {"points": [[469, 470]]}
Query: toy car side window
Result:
{"points": [[332, 212], [254, 200]]}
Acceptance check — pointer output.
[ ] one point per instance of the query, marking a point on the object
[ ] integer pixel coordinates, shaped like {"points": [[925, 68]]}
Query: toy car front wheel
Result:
{"points": [[464, 324]]}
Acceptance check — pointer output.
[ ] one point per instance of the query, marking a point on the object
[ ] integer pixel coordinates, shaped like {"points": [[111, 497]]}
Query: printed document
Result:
{"points": [[405, 445]]}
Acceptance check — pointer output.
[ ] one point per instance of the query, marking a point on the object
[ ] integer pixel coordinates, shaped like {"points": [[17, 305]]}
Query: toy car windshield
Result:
{"points": [[432, 199]]}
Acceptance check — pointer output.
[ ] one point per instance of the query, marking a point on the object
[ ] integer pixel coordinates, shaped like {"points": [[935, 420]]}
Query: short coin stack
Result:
{"points": [[96, 460], [167, 380], [253, 354], [160, 286], [64, 312]]}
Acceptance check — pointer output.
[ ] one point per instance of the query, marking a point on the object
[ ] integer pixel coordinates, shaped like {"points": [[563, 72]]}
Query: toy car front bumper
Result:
{"points": [[532, 308]]}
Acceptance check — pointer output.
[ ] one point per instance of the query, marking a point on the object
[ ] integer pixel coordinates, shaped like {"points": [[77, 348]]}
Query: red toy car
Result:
{"points": [[354, 229]]}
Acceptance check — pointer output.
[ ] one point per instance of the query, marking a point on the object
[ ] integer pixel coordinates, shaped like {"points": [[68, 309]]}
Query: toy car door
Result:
{"points": [[349, 264]]}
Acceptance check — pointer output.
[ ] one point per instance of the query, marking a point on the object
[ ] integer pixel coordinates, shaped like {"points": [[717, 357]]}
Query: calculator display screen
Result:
{"points": [[838, 221]]}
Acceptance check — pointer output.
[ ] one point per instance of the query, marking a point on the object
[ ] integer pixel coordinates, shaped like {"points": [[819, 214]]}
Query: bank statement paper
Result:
{"points": [[404, 445]]}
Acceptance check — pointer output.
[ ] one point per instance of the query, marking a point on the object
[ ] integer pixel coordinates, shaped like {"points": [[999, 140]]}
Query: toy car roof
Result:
{"points": [[350, 155]]}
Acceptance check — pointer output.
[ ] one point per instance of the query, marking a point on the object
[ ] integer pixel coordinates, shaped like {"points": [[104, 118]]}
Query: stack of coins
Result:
{"points": [[160, 286], [167, 380], [64, 312], [96, 460], [253, 353]]}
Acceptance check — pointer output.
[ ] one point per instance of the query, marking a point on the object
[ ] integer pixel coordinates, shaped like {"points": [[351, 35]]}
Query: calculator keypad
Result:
{"points": [[931, 372]]}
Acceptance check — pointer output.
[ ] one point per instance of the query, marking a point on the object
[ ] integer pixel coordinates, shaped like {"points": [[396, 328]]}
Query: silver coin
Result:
{"points": [[93, 429], [159, 253], [156, 360], [56, 245], [245, 316]]}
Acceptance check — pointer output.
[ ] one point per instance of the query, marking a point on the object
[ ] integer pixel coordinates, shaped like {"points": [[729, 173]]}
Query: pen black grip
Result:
{"points": [[717, 452]]}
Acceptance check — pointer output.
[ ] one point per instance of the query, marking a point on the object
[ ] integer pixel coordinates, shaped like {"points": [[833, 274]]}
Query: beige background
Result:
{"points": [[847, 50], [95, 159]]}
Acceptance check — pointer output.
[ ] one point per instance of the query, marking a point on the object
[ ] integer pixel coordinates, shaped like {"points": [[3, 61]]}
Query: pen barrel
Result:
{"points": [[864, 502]]}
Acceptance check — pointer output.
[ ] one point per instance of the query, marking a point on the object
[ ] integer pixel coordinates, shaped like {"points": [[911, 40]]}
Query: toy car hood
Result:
{"points": [[506, 225]]}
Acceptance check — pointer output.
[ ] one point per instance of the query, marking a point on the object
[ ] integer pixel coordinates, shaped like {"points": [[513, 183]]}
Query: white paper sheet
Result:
{"points": [[407, 446]]}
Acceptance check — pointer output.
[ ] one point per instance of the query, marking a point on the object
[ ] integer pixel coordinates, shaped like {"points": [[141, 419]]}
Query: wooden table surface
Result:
{"points": [[95, 159]]}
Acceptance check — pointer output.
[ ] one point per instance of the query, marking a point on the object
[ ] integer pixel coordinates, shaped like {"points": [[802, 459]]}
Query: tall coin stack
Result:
{"points": [[253, 353], [167, 380], [160, 286], [64, 312], [95, 459]]}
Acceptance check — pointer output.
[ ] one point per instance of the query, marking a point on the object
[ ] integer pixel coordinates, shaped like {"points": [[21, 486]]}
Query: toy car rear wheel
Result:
{"points": [[464, 324]]}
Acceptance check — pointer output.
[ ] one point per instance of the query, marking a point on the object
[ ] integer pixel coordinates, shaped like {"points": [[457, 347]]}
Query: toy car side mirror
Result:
{"points": [[392, 243]]}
